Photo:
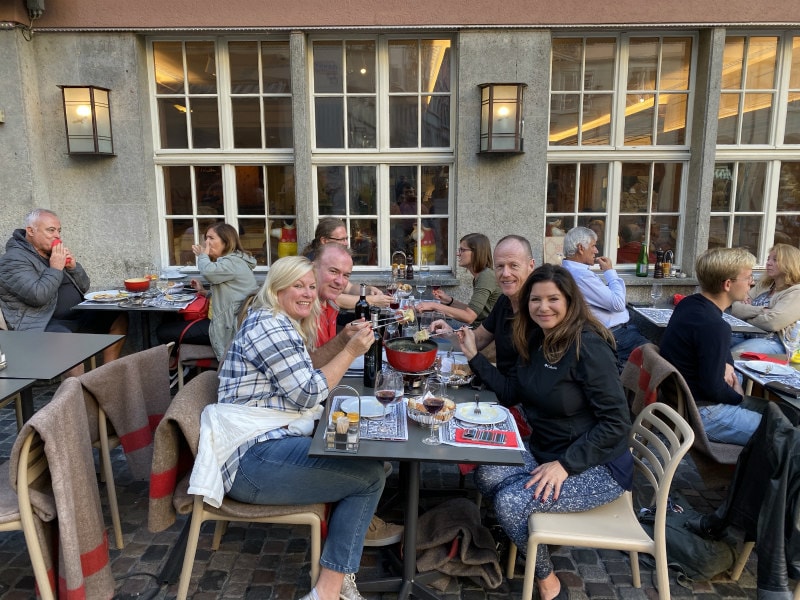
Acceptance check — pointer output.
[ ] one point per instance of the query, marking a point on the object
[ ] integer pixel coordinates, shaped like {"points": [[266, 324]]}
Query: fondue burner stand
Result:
{"points": [[414, 383]]}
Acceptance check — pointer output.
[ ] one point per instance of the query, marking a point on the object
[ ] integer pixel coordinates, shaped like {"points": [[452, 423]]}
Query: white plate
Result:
{"points": [[179, 297], [370, 407], [174, 275], [490, 413], [106, 296], [769, 368]]}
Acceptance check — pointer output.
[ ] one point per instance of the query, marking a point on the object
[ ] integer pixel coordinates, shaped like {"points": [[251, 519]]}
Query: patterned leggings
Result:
{"points": [[512, 503]]}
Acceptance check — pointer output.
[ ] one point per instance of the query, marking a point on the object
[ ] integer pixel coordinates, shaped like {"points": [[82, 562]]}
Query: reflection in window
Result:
{"points": [[738, 205]]}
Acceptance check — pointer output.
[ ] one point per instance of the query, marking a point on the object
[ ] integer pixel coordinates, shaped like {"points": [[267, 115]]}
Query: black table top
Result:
{"points": [[9, 387], [414, 449], [45, 355]]}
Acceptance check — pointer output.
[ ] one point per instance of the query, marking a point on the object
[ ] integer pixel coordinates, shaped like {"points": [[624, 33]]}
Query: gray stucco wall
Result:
{"points": [[107, 205]]}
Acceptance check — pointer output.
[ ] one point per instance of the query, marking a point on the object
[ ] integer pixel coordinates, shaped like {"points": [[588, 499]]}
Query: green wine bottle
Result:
{"points": [[642, 261]]}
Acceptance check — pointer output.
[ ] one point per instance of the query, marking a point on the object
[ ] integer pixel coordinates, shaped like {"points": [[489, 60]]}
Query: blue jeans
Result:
{"points": [[732, 423], [513, 503], [628, 338], [282, 472], [770, 344]]}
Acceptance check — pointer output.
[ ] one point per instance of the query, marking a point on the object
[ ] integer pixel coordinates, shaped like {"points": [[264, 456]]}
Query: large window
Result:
{"points": [[224, 144], [618, 148], [756, 191], [383, 152]]}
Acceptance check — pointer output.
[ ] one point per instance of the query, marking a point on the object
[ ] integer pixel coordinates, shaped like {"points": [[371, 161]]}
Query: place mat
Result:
{"points": [[161, 302], [451, 433], [792, 379], [392, 429], [734, 322]]}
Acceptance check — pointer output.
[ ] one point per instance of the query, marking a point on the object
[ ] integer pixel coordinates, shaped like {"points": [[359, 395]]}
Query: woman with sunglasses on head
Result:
{"points": [[475, 255]]}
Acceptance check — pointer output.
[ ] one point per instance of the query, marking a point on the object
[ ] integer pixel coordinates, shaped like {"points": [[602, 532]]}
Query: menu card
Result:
{"points": [[452, 433]]}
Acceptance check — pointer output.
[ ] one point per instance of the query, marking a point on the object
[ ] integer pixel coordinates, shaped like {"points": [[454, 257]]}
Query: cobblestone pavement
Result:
{"points": [[267, 562]]}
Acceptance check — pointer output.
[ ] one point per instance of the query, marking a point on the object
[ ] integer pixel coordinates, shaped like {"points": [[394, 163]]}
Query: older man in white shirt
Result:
{"points": [[606, 296]]}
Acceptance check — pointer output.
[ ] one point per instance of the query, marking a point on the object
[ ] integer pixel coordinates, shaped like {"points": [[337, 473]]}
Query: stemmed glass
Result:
{"points": [[433, 400], [444, 368], [655, 293], [163, 283], [791, 340], [388, 389], [424, 277]]}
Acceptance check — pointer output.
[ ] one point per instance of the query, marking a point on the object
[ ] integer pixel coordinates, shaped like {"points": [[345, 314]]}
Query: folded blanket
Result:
{"points": [[134, 393], [452, 540], [73, 500]]}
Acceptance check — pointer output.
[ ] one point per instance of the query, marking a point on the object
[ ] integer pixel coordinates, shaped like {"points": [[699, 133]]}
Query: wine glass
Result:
{"points": [[162, 283], [421, 284], [791, 340], [433, 400], [444, 368], [388, 389], [655, 293]]}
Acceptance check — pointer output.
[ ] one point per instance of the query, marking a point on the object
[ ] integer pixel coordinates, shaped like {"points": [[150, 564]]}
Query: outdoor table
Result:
{"points": [[410, 454], [10, 387], [660, 317], [44, 355], [762, 379]]}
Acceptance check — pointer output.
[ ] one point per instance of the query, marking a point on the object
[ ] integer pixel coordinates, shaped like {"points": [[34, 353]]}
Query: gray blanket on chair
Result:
{"points": [[452, 540]]}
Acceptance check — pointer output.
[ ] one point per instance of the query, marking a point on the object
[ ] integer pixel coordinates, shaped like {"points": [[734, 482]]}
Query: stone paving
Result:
{"points": [[267, 562]]}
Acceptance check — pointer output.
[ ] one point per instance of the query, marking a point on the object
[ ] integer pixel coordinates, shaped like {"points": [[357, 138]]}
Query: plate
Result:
{"points": [[106, 296], [490, 413], [174, 275], [370, 407], [769, 368], [179, 297]]}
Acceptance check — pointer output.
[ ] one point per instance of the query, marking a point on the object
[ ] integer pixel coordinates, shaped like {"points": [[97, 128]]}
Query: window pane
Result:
{"points": [[178, 190], [168, 63], [664, 232], [593, 187], [435, 121], [761, 59], [249, 190], [329, 123], [201, 67], [181, 236], [750, 186], [732, 61], [676, 56], [403, 66], [787, 230], [328, 76], [278, 122], [360, 67], [671, 121], [246, 122], [435, 59], [631, 237], [363, 191], [208, 184], [718, 232], [561, 188], [639, 119], [600, 58], [276, 67], [643, 64], [172, 123], [728, 113], [596, 130], [253, 235], [566, 64], [564, 119], [756, 119], [205, 122], [331, 191], [635, 187], [403, 113], [721, 191], [280, 190], [436, 186], [747, 233], [361, 123], [792, 132], [789, 187], [667, 179], [365, 241], [244, 67]]}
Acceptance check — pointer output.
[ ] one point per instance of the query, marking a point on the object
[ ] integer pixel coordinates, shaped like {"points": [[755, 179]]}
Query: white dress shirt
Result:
{"points": [[607, 300]]}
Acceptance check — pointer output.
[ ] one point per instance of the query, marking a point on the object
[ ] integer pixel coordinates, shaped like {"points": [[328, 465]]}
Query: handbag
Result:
{"points": [[196, 310]]}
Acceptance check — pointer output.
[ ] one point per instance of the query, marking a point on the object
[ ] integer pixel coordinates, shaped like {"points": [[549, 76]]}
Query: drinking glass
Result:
{"points": [[433, 400], [655, 293], [162, 283], [388, 389], [791, 340], [444, 368], [421, 283]]}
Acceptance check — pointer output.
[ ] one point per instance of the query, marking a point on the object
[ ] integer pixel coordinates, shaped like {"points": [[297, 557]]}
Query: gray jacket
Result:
{"points": [[232, 280], [29, 287]]}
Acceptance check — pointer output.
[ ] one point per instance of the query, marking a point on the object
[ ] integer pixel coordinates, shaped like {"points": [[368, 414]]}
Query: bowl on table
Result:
{"points": [[418, 413], [137, 284], [408, 356]]}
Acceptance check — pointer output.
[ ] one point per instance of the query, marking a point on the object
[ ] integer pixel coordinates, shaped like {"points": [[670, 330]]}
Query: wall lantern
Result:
{"points": [[87, 115], [501, 117]]}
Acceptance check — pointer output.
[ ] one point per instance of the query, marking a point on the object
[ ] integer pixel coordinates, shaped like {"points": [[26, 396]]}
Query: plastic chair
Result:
{"points": [[195, 356], [17, 400], [659, 439], [16, 513], [185, 406]]}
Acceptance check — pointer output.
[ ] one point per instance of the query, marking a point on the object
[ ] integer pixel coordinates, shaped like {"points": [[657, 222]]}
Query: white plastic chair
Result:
{"points": [[615, 526]]}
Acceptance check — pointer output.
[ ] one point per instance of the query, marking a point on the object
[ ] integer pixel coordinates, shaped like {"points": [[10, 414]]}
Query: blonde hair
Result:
{"points": [[282, 274], [788, 259], [716, 265]]}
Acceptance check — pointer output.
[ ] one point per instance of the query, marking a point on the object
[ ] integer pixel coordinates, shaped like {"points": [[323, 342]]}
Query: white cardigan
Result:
{"points": [[225, 427], [783, 310]]}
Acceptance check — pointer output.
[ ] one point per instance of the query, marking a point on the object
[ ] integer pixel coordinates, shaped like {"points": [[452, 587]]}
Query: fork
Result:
{"points": [[477, 409]]}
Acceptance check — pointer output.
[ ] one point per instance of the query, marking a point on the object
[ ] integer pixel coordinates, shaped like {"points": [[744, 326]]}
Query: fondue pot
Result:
{"points": [[404, 354]]}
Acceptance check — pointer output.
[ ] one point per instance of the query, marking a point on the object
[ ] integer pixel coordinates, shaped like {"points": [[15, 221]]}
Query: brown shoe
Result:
{"points": [[381, 533]]}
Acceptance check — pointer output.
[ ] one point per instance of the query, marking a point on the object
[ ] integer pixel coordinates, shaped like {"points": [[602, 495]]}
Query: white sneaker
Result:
{"points": [[349, 589], [381, 533], [312, 595]]}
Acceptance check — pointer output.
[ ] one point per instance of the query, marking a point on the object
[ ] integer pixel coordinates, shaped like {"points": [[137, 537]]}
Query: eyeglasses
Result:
{"points": [[462, 250], [751, 280], [341, 239]]}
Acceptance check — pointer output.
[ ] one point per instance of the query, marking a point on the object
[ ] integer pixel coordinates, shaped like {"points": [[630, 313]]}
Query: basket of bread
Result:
{"points": [[462, 373], [417, 412]]}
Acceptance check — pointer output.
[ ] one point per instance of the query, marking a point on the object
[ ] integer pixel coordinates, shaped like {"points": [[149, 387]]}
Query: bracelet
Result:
{"points": [[451, 301]]}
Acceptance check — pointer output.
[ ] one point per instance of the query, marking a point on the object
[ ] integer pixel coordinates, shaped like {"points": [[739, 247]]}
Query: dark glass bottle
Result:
{"points": [[642, 262], [373, 359], [410, 267], [658, 269], [362, 306]]}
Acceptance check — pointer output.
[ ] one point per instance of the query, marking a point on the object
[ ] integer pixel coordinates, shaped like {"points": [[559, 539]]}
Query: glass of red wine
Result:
{"points": [[433, 400], [388, 389]]}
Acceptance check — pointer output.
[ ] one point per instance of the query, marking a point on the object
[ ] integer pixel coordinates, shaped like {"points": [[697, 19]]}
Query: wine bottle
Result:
{"points": [[409, 267], [373, 359], [362, 306], [642, 262]]}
